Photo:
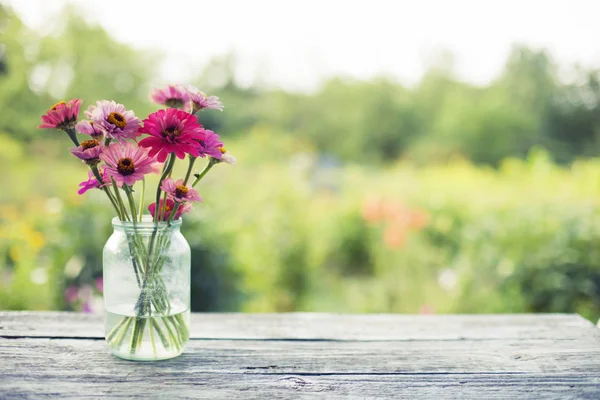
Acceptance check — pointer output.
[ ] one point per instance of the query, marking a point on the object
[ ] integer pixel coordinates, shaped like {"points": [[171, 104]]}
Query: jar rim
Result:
{"points": [[146, 223]]}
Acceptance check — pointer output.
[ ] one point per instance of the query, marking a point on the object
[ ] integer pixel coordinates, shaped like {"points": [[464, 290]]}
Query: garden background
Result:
{"points": [[359, 196]]}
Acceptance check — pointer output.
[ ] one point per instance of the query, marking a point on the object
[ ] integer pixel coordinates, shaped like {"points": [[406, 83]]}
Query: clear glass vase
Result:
{"points": [[146, 290]]}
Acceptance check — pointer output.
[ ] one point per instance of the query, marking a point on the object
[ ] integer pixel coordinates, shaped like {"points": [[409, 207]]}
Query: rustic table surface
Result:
{"points": [[53, 354]]}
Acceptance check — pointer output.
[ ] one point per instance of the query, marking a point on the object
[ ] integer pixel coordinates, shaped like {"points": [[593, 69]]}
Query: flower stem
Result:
{"points": [[120, 200], [142, 199], [166, 171], [129, 193], [173, 212], [106, 190], [72, 135], [189, 171], [199, 176], [163, 210]]}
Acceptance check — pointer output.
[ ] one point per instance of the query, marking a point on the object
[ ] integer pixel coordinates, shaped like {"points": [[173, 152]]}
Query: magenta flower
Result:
{"points": [[210, 145], [200, 101], [175, 96], [61, 115], [127, 163], [88, 151], [172, 131], [87, 307], [114, 120], [92, 182], [165, 212], [179, 192], [89, 128]]}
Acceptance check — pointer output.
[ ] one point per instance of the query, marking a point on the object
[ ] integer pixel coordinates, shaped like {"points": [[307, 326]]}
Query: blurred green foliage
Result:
{"points": [[360, 197]]}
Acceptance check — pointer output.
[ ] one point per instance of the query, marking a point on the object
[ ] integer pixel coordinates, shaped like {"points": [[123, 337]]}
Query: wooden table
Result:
{"points": [[244, 356]]}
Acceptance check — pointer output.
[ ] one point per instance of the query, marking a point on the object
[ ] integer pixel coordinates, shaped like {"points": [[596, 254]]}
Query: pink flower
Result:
{"points": [[200, 101], [172, 131], [88, 150], [92, 182], [71, 294], [87, 307], [210, 145], [100, 284], [179, 192], [61, 115], [127, 163], [114, 120], [89, 128], [165, 212], [226, 157], [175, 96]]}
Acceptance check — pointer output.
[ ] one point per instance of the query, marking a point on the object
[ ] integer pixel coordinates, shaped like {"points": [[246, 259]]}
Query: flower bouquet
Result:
{"points": [[146, 262]]}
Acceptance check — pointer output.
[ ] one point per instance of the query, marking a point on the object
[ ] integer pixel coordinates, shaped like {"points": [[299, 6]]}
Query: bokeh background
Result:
{"points": [[438, 157]]}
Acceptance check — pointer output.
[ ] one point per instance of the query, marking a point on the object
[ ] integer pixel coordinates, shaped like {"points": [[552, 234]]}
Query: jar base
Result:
{"points": [[143, 356], [147, 338]]}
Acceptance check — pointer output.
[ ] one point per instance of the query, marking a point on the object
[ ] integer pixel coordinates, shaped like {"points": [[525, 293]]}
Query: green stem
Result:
{"points": [[160, 332], [163, 209], [189, 171], [116, 329], [72, 135], [124, 330], [129, 193], [142, 199], [98, 177], [106, 141], [166, 171], [119, 200], [199, 176], [173, 212], [150, 330]]}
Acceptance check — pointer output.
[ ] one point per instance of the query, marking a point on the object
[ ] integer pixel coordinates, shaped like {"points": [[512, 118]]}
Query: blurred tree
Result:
{"points": [[78, 60]]}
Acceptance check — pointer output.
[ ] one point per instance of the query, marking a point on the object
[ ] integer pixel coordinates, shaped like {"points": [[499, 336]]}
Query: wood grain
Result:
{"points": [[319, 326], [331, 356]]}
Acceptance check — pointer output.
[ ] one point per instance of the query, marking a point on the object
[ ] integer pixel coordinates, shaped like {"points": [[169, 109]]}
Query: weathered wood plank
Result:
{"points": [[316, 326], [252, 386], [66, 356], [282, 369]]}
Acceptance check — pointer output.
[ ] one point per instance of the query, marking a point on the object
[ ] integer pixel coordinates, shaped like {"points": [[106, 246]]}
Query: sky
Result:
{"points": [[297, 44]]}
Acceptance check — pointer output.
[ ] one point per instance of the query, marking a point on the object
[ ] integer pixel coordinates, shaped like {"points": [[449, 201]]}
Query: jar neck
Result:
{"points": [[146, 226]]}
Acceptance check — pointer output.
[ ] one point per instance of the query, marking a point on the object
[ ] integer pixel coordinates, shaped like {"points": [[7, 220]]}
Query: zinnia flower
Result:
{"points": [[172, 131], [210, 145], [179, 192], [165, 212], [127, 163], [175, 96], [226, 157], [89, 128], [61, 115], [114, 120], [88, 151], [92, 182], [200, 101]]}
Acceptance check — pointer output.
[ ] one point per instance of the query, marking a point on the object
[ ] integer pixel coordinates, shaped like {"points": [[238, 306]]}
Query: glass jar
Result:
{"points": [[146, 269]]}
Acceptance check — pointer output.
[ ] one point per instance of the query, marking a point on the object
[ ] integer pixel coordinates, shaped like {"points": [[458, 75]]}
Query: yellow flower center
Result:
{"points": [[222, 150], [181, 191], [125, 166], [167, 208], [171, 132], [89, 144], [117, 120], [54, 107]]}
